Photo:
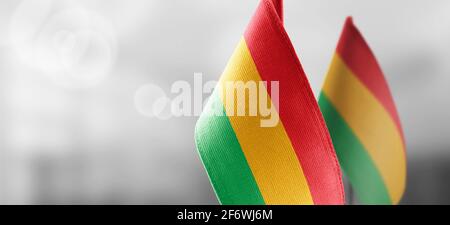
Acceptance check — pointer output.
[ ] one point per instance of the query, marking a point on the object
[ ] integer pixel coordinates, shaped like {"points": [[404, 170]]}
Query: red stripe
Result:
{"points": [[359, 58], [279, 8], [276, 60]]}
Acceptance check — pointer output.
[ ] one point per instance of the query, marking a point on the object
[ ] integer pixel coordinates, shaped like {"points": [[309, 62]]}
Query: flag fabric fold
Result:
{"points": [[292, 162], [363, 122]]}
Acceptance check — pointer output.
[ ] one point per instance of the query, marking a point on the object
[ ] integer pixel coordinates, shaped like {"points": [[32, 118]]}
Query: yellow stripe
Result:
{"points": [[268, 150], [371, 123]]}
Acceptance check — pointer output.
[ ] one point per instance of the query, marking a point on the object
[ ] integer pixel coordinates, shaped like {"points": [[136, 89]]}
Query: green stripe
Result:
{"points": [[354, 158], [224, 160]]}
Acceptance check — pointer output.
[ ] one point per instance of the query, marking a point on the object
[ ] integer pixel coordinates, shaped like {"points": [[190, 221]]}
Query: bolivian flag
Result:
{"points": [[291, 162], [363, 122]]}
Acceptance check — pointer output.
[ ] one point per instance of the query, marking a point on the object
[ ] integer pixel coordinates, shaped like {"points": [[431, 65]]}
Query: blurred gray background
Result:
{"points": [[74, 127]]}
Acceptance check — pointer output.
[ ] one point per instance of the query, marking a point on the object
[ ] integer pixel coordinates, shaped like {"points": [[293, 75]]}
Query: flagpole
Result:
{"points": [[351, 195], [349, 192]]}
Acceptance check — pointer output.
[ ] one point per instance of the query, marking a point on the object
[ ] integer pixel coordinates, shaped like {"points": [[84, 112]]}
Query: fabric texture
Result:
{"points": [[292, 162]]}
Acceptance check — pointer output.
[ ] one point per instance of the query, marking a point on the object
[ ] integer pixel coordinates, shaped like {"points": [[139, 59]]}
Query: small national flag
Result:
{"points": [[288, 162], [363, 121]]}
